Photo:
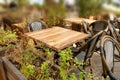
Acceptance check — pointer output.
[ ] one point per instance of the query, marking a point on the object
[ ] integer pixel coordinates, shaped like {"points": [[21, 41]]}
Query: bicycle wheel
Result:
{"points": [[107, 47]]}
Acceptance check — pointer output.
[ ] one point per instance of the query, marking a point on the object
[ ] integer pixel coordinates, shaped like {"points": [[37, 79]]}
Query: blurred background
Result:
{"points": [[54, 11]]}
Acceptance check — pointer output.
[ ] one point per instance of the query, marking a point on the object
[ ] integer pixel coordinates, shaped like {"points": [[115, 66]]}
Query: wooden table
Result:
{"points": [[57, 38], [78, 21]]}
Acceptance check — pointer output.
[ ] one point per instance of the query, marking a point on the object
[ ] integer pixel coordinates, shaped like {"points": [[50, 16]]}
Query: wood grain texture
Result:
{"points": [[11, 71], [79, 20], [57, 38], [2, 72]]}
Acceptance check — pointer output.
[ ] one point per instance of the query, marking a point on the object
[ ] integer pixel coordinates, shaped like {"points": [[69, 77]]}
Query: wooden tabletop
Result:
{"points": [[79, 20], [57, 38]]}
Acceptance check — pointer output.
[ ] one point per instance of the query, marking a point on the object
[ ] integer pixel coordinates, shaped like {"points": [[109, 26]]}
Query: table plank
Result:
{"points": [[61, 37], [57, 38], [47, 33], [68, 41], [79, 20]]}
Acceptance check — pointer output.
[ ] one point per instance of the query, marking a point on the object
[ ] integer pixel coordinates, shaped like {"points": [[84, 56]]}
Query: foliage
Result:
{"points": [[27, 70], [26, 61], [55, 12], [82, 75], [38, 5], [90, 77], [105, 78], [63, 74], [65, 57], [89, 7], [47, 51], [8, 44], [7, 37], [72, 77], [67, 62], [46, 71], [78, 63], [23, 2], [27, 57]]}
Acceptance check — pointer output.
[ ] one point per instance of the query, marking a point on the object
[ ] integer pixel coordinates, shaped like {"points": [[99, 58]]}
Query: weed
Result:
{"points": [[7, 37], [27, 70]]}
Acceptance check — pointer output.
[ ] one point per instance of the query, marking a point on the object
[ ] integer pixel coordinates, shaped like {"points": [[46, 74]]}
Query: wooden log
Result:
{"points": [[12, 73], [2, 72]]}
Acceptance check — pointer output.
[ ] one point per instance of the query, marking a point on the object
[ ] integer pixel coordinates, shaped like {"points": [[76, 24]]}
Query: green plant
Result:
{"points": [[8, 41], [23, 2], [55, 13], [78, 63], [90, 77], [82, 75], [47, 51], [93, 8], [67, 62], [42, 72], [7, 37], [26, 61], [27, 57], [65, 57], [63, 74], [45, 70], [72, 77], [27, 70]]}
